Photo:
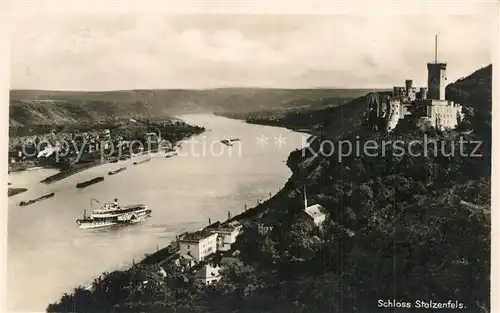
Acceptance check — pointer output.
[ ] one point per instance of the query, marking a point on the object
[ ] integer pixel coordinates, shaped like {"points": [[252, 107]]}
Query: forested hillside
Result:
{"points": [[473, 90], [33, 107]]}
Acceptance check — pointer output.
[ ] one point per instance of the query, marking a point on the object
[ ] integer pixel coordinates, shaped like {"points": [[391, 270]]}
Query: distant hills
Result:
{"points": [[295, 108], [41, 107]]}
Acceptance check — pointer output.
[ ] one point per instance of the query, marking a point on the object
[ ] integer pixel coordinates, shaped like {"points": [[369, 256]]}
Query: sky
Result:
{"points": [[110, 51]]}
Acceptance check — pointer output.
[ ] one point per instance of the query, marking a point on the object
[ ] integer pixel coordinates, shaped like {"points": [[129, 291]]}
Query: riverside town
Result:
{"points": [[246, 163]]}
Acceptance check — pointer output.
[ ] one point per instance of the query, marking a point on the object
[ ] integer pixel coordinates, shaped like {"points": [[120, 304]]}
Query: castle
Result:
{"points": [[427, 104]]}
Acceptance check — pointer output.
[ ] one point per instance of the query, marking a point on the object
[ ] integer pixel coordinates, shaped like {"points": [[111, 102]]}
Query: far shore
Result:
{"points": [[80, 167], [77, 162]]}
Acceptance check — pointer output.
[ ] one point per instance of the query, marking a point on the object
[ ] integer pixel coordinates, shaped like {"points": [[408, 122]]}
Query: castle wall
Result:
{"points": [[443, 114]]}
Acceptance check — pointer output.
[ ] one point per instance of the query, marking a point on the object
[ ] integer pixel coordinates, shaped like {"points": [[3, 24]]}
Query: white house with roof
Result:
{"points": [[48, 151], [199, 245], [208, 274], [226, 235], [314, 212]]}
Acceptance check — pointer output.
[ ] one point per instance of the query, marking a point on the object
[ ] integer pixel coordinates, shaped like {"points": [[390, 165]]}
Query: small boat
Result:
{"points": [[121, 169], [90, 182], [140, 162], [47, 196], [234, 139], [112, 214], [34, 168], [226, 142]]}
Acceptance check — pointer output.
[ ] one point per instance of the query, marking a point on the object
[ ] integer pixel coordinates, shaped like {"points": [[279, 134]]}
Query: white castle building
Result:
{"points": [[428, 104]]}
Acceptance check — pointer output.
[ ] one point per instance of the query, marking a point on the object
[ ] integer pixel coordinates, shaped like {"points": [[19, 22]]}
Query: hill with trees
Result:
{"points": [[400, 226]]}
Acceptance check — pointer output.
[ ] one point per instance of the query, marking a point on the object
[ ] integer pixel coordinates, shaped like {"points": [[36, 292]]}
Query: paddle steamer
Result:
{"points": [[112, 214]]}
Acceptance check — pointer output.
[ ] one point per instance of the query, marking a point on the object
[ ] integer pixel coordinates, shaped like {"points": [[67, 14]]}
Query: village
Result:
{"points": [[64, 148], [44, 145]]}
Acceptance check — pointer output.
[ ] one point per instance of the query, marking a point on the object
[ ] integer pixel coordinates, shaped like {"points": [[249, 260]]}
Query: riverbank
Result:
{"points": [[79, 167], [327, 120], [96, 158], [88, 145], [245, 218]]}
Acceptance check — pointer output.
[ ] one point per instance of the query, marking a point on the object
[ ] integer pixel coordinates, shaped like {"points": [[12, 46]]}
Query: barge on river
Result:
{"points": [[90, 182], [28, 202], [112, 214], [140, 162], [121, 169]]}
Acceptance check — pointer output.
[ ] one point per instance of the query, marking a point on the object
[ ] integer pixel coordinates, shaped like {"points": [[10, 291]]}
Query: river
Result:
{"points": [[48, 255]]}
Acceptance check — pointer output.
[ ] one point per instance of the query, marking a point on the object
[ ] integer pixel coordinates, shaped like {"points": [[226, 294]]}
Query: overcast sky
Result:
{"points": [[125, 51]]}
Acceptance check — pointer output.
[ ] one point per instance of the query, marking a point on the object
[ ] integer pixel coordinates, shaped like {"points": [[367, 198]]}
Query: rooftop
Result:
{"points": [[196, 236], [225, 227]]}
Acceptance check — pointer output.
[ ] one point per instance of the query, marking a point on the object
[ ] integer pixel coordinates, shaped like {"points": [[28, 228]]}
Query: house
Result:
{"points": [[162, 272], [15, 156], [226, 235], [199, 245], [208, 274], [48, 151], [428, 104], [106, 145], [106, 134], [314, 212], [123, 144]]}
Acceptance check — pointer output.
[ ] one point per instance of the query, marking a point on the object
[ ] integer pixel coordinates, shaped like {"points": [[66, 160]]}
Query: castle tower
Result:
{"points": [[436, 78]]}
